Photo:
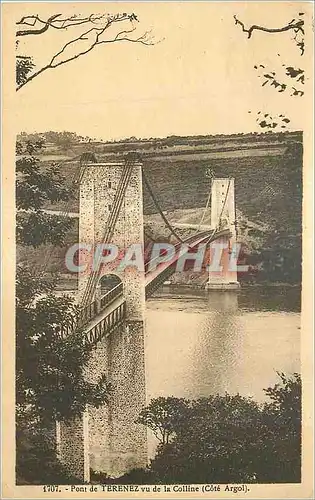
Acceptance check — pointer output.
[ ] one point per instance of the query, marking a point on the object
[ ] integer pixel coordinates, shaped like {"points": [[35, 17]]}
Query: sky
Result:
{"points": [[198, 79]]}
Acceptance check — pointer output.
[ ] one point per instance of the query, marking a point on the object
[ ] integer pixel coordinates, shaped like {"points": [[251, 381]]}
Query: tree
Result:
{"points": [[215, 442], [63, 139], [85, 33], [36, 461], [34, 187], [50, 382], [295, 25], [281, 252], [292, 78], [49, 366], [163, 416], [281, 428], [229, 438]]}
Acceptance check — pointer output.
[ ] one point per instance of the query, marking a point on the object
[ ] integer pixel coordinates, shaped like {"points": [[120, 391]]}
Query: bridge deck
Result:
{"points": [[112, 315], [151, 275], [190, 225], [104, 313]]}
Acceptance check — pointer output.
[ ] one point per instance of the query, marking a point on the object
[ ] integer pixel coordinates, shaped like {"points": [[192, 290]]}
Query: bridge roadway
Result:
{"points": [[105, 314], [190, 225], [155, 278]]}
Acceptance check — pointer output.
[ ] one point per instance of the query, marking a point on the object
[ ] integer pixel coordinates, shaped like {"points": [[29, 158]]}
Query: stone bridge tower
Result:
{"points": [[108, 439], [223, 217]]}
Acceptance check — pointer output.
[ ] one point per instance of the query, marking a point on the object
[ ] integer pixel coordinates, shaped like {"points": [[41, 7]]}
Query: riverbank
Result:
{"points": [[250, 298], [263, 284], [71, 285]]}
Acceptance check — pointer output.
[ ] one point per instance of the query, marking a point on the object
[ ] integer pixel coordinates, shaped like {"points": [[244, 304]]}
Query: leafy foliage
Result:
{"points": [[282, 249], [32, 466], [281, 428], [64, 141], [163, 415], [209, 442], [50, 368], [270, 78], [230, 438], [24, 65], [269, 122], [34, 187]]}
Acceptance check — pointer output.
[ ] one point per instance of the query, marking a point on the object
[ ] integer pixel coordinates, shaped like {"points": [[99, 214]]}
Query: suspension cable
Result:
{"points": [[169, 226], [110, 227], [205, 210]]}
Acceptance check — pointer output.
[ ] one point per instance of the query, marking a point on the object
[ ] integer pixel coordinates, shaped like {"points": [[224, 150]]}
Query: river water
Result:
{"points": [[201, 343]]}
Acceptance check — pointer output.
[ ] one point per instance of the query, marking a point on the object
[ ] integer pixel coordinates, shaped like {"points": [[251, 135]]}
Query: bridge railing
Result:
{"points": [[89, 312], [158, 280], [149, 263], [114, 319], [177, 247], [110, 296]]}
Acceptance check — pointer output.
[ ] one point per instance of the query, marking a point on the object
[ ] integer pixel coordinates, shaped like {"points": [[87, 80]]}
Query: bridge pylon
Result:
{"points": [[223, 274], [107, 439]]}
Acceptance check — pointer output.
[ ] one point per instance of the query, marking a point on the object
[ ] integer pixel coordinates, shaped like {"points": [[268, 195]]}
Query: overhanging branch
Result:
{"points": [[97, 25], [293, 25], [38, 31]]}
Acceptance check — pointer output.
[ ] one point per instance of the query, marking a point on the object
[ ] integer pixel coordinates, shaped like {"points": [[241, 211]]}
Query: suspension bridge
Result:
{"points": [[108, 439]]}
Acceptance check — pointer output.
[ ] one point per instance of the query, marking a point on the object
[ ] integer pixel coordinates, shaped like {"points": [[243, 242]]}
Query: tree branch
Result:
{"points": [[96, 29], [38, 31], [63, 24], [297, 25]]}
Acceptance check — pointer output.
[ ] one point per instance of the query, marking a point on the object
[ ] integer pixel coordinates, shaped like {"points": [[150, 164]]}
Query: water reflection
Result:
{"points": [[221, 341], [223, 302], [215, 354], [278, 298], [206, 343]]}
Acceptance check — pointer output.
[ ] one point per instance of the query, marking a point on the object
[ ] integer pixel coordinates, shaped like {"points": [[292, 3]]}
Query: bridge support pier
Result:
{"points": [[117, 443], [107, 439], [72, 446], [222, 272]]}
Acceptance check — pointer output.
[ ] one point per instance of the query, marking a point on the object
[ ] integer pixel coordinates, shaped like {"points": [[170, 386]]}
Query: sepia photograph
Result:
{"points": [[157, 188]]}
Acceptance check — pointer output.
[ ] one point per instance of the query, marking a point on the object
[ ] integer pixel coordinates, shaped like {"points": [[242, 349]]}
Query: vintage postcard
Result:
{"points": [[157, 243]]}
